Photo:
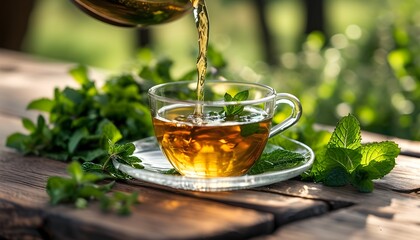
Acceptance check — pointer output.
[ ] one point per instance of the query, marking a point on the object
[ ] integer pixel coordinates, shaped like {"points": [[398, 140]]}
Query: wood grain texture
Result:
{"points": [[379, 197], [284, 208], [376, 215], [161, 215], [348, 224], [17, 222]]}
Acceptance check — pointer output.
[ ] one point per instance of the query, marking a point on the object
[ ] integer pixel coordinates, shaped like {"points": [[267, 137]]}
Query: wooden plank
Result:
{"points": [[335, 197], [166, 218], [19, 223], [348, 224], [161, 214], [376, 215], [335, 194], [284, 208]]}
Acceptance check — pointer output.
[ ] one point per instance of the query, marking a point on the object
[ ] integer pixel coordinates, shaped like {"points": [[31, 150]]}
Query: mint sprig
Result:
{"points": [[122, 153], [81, 187], [234, 110], [345, 160]]}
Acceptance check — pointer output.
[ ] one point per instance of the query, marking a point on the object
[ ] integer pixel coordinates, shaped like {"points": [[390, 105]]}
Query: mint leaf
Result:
{"points": [[346, 134], [76, 138], [18, 141], [109, 131], [42, 104], [74, 97], [379, 158], [60, 189], [122, 150], [80, 74], [28, 124], [336, 177], [81, 203], [275, 160], [319, 167], [171, 171], [329, 160], [92, 167], [365, 186], [119, 202], [76, 172], [241, 96], [235, 110], [377, 161], [349, 159], [362, 180], [249, 129], [121, 153]]}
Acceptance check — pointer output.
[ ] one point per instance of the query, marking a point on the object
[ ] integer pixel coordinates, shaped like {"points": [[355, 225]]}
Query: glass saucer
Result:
{"points": [[155, 164]]}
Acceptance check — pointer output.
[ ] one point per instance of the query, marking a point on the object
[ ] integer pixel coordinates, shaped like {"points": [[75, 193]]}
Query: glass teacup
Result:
{"points": [[220, 136]]}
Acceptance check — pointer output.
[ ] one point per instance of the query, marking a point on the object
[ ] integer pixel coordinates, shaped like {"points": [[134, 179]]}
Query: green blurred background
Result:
{"points": [[58, 29], [365, 62]]}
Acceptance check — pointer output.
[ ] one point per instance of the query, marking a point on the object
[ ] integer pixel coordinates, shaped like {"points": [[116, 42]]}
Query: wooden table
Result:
{"points": [[286, 210]]}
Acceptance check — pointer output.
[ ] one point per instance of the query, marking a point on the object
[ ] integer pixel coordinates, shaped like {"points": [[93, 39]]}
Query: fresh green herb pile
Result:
{"points": [[78, 119], [85, 125]]}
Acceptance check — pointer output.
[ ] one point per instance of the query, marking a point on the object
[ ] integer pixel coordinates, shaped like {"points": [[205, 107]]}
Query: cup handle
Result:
{"points": [[294, 103]]}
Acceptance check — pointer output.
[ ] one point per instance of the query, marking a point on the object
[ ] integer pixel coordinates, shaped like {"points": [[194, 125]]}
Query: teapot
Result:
{"points": [[132, 13]]}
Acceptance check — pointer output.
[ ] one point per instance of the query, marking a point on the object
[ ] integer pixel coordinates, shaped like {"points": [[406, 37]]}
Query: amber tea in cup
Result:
{"points": [[216, 142]]}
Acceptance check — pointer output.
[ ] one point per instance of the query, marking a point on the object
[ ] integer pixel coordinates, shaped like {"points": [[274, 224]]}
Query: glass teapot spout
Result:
{"points": [[132, 13]]}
